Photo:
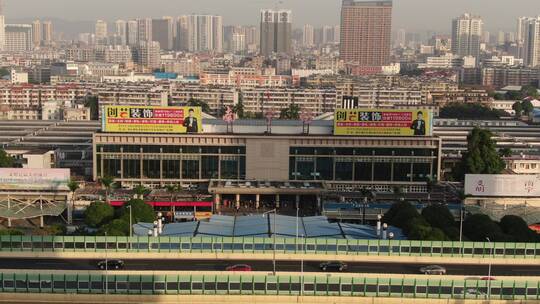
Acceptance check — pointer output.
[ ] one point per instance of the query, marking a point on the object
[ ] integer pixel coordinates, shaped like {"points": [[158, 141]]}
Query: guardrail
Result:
{"points": [[257, 284], [530, 251]]}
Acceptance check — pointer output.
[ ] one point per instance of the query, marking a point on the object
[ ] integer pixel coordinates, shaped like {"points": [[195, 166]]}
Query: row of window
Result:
{"points": [[172, 149], [279, 247], [362, 151], [187, 287]]}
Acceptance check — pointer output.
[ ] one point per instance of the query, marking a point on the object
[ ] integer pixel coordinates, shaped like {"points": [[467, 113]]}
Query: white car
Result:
{"points": [[433, 269]]}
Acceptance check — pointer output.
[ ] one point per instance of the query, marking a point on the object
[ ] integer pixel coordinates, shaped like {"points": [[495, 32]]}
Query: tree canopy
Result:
{"points": [[474, 111], [6, 161], [98, 213], [199, 103], [481, 157], [291, 112], [141, 212]]}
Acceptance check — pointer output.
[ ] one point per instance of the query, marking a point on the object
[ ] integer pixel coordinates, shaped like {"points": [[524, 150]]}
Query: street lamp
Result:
{"points": [[106, 266], [489, 268], [274, 211]]}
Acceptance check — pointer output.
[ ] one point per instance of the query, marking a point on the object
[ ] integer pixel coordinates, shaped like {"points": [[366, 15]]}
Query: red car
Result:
{"points": [[239, 267], [489, 279]]}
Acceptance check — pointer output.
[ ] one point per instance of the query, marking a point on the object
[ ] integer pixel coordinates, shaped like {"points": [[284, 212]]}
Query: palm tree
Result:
{"points": [[171, 189], [140, 191], [73, 187], [107, 182]]}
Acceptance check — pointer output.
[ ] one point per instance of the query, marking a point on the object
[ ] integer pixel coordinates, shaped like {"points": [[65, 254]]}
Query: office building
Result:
{"points": [[276, 32], [162, 32], [36, 33], [48, 33], [466, 35], [365, 35], [132, 32], [200, 33], [308, 36], [144, 30], [101, 31], [121, 31], [531, 42], [18, 37]]}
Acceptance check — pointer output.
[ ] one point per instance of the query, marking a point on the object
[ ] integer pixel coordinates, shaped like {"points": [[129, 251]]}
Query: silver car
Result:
{"points": [[433, 269]]}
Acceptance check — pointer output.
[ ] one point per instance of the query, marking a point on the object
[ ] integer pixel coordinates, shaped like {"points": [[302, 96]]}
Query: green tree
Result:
{"points": [[11, 232], [529, 91], [6, 161], [505, 152], [518, 229], [400, 214], [92, 102], [479, 226], [438, 215], [518, 108], [527, 107], [481, 156], [141, 191], [475, 111], [107, 182], [140, 212], [291, 112], [199, 103], [171, 190], [4, 72], [97, 214], [117, 227], [238, 108]]}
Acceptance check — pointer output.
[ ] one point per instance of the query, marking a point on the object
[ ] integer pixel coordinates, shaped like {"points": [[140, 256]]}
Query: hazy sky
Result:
{"points": [[408, 14]]}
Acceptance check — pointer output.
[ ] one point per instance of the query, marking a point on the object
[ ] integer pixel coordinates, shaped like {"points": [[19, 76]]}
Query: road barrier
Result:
{"points": [[529, 251], [260, 284]]}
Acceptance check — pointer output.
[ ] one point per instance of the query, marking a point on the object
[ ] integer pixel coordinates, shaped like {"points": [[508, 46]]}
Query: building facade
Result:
{"points": [[366, 32], [276, 32], [466, 35]]}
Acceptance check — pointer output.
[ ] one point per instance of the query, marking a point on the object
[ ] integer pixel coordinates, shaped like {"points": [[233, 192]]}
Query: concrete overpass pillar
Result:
{"points": [[257, 200], [277, 200], [70, 202]]}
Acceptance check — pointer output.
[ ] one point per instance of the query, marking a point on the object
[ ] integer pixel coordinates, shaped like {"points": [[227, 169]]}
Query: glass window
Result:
{"points": [[210, 166], [402, 172], [132, 168], [325, 168], [362, 171], [305, 167], [111, 167], [229, 168], [190, 169], [421, 172], [382, 172], [171, 169], [344, 171], [151, 168]]}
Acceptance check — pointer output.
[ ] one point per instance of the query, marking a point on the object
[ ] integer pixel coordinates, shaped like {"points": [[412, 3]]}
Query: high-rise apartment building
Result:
{"points": [[239, 43], [531, 42], [101, 30], [2, 28], [48, 32], [121, 31], [162, 32], [147, 54], [36, 33], [276, 32], [308, 35], [200, 33], [365, 35], [18, 37], [466, 35], [132, 34], [144, 30]]}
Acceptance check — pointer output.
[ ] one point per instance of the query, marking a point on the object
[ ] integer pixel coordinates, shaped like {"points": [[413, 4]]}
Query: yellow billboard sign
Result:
{"points": [[383, 122], [147, 119]]}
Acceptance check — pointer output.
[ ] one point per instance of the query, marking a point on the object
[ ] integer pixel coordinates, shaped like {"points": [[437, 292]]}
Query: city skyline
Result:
{"points": [[495, 15]]}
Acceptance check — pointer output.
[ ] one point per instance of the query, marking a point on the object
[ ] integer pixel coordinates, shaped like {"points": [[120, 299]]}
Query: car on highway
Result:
{"points": [[488, 278], [333, 266], [111, 264], [474, 292], [239, 267], [433, 269]]}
